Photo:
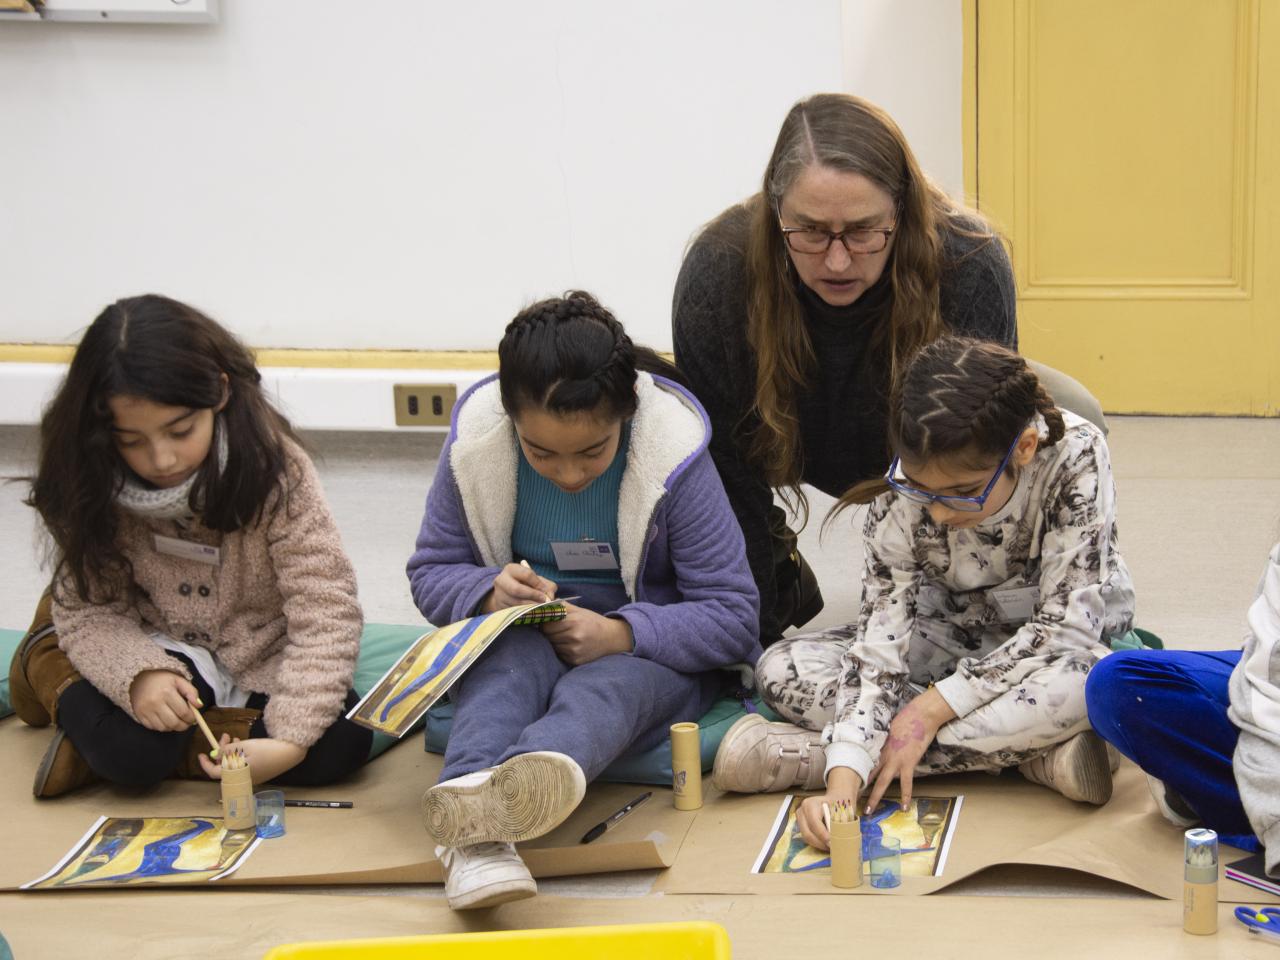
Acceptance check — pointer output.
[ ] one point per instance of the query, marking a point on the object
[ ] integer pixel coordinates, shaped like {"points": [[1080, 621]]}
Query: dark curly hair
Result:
{"points": [[164, 351], [571, 355]]}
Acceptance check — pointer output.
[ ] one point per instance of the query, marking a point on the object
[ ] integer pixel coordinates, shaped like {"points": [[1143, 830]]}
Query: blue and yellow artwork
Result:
{"points": [[924, 830], [132, 851], [434, 662]]}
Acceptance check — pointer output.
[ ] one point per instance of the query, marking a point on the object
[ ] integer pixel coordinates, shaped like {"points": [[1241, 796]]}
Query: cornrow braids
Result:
{"points": [[968, 397], [568, 355], [961, 398]]}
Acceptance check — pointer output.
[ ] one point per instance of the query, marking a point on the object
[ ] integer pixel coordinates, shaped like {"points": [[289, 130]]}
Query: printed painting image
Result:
{"points": [[131, 851], [924, 830], [435, 660]]}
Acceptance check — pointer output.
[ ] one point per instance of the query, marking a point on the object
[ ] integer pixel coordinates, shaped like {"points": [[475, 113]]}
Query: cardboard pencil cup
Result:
{"points": [[237, 799], [686, 765], [846, 853]]}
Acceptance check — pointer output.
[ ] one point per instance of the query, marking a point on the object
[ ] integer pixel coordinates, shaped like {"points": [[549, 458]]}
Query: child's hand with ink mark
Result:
{"points": [[163, 700], [584, 635], [910, 734], [517, 584], [268, 757], [844, 785]]}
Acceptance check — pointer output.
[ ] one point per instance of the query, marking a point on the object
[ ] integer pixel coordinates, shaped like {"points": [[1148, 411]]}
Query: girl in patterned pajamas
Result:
{"points": [[993, 583]]}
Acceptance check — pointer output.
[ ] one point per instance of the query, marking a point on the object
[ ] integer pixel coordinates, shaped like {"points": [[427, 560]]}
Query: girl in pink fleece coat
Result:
{"points": [[197, 566]]}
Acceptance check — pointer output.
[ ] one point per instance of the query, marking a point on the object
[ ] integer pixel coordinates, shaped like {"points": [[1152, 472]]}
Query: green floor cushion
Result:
{"points": [[9, 640], [381, 645], [652, 766], [1137, 639]]}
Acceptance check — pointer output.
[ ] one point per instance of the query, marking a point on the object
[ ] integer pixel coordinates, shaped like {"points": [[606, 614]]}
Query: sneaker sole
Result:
{"points": [[1092, 766], [494, 895], [529, 795], [720, 778]]}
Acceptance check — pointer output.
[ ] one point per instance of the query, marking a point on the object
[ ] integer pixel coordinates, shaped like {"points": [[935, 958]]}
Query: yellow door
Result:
{"points": [[1130, 152]]}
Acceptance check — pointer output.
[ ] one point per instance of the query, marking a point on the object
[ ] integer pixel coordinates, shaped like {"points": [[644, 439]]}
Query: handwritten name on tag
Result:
{"points": [[584, 555]]}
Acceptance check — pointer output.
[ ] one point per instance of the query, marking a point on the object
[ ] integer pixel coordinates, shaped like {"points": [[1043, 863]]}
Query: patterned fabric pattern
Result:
{"points": [[929, 616]]}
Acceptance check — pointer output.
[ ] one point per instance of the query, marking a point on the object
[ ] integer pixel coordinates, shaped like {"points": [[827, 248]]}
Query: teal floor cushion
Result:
{"points": [[381, 645], [653, 766], [9, 640], [1137, 639]]}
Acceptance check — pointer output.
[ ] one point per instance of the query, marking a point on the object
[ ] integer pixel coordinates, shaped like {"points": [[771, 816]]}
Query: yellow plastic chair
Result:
{"points": [[697, 940]]}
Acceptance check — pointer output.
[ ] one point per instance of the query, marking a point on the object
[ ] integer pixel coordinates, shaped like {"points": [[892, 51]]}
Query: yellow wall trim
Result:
{"points": [[271, 357]]}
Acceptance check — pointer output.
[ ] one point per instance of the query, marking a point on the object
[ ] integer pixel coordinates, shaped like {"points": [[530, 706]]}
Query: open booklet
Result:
{"points": [[435, 660]]}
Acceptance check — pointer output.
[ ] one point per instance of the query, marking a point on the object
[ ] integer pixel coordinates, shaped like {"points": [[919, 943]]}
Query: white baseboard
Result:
{"points": [[314, 398]]}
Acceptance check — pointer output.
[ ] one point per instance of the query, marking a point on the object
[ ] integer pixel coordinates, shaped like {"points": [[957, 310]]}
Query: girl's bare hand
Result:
{"points": [[517, 585]]}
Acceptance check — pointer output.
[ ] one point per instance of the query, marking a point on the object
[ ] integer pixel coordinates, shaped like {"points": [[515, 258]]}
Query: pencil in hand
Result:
{"points": [[208, 735]]}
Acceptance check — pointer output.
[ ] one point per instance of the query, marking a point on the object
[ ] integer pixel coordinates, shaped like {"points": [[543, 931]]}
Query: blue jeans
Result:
{"points": [[1166, 710], [519, 697]]}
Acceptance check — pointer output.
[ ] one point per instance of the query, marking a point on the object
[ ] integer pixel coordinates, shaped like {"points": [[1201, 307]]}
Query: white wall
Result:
{"points": [[398, 174], [907, 56], [408, 174]]}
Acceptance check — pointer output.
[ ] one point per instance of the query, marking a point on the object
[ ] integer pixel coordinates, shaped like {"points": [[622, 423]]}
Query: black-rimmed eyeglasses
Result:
{"points": [[814, 240]]}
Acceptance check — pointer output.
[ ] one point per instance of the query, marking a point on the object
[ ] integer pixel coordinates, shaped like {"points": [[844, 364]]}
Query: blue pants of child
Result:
{"points": [[519, 697], [1166, 710]]}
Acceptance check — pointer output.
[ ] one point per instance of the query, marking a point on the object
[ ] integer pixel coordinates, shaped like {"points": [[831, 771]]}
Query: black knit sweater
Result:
{"points": [[843, 409]]}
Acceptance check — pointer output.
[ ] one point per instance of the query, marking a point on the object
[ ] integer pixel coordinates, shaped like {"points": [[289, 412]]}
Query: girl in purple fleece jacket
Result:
{"points": [[572, 474]]}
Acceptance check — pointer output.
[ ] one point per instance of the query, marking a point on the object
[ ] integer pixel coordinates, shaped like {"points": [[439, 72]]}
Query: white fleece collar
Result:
{"points": [[667, 430]]}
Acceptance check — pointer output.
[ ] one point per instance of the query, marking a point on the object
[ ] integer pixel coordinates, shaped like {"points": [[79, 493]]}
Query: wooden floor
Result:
{"points": [[1199, 507]]}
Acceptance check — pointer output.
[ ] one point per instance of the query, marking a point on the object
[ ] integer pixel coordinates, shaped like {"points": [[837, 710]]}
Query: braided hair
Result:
{"points": [[570, 355], [962, 399]]}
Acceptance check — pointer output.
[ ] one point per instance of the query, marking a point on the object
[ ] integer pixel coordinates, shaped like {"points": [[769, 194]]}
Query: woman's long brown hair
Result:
{"points": [[849, 134]]}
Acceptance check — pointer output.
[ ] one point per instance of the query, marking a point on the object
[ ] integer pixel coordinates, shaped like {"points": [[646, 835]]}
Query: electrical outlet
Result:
{"points": [[424, 404]]}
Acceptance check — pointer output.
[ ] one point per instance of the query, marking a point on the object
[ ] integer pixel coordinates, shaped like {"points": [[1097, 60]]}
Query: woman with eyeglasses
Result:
{"points": [[795, 311], [993, 584]]}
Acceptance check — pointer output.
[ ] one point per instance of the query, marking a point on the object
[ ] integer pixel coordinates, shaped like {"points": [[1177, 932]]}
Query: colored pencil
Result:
{"points": [[208, 735]]}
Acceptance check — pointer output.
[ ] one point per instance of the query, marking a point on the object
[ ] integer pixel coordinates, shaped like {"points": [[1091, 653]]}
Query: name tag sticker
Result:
{"points": [[186, 550], [1017, 603], [584, 555]]}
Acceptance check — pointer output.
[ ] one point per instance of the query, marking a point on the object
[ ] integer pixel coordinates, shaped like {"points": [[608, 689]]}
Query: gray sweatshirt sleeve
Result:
{"points": [[1255, 709]]}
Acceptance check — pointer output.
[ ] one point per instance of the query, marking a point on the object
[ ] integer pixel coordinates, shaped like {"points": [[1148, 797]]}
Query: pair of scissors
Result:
{"points": [[1261, 920]]}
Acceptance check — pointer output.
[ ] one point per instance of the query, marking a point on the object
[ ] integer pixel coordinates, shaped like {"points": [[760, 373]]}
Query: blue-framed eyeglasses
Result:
{"points": [[963, 504]]}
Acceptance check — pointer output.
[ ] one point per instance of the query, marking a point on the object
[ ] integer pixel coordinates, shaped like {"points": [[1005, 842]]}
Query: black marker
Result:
{"points": [[327, 804], [608, 823]]}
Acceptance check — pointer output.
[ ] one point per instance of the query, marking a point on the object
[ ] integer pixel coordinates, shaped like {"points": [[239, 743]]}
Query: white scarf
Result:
{"points": [[170, 503]]}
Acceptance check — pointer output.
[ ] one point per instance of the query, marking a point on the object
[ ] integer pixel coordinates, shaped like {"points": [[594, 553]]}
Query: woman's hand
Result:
{"points": [[267, 757], [163, 700], [842, 785], [910, 734], [584, 635], [517, 584]]}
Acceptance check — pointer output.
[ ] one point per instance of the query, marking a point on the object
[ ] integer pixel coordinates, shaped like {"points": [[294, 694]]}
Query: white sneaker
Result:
{"points": [[525, 797], [757, 756], [1079, 769], [484, 875]]}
